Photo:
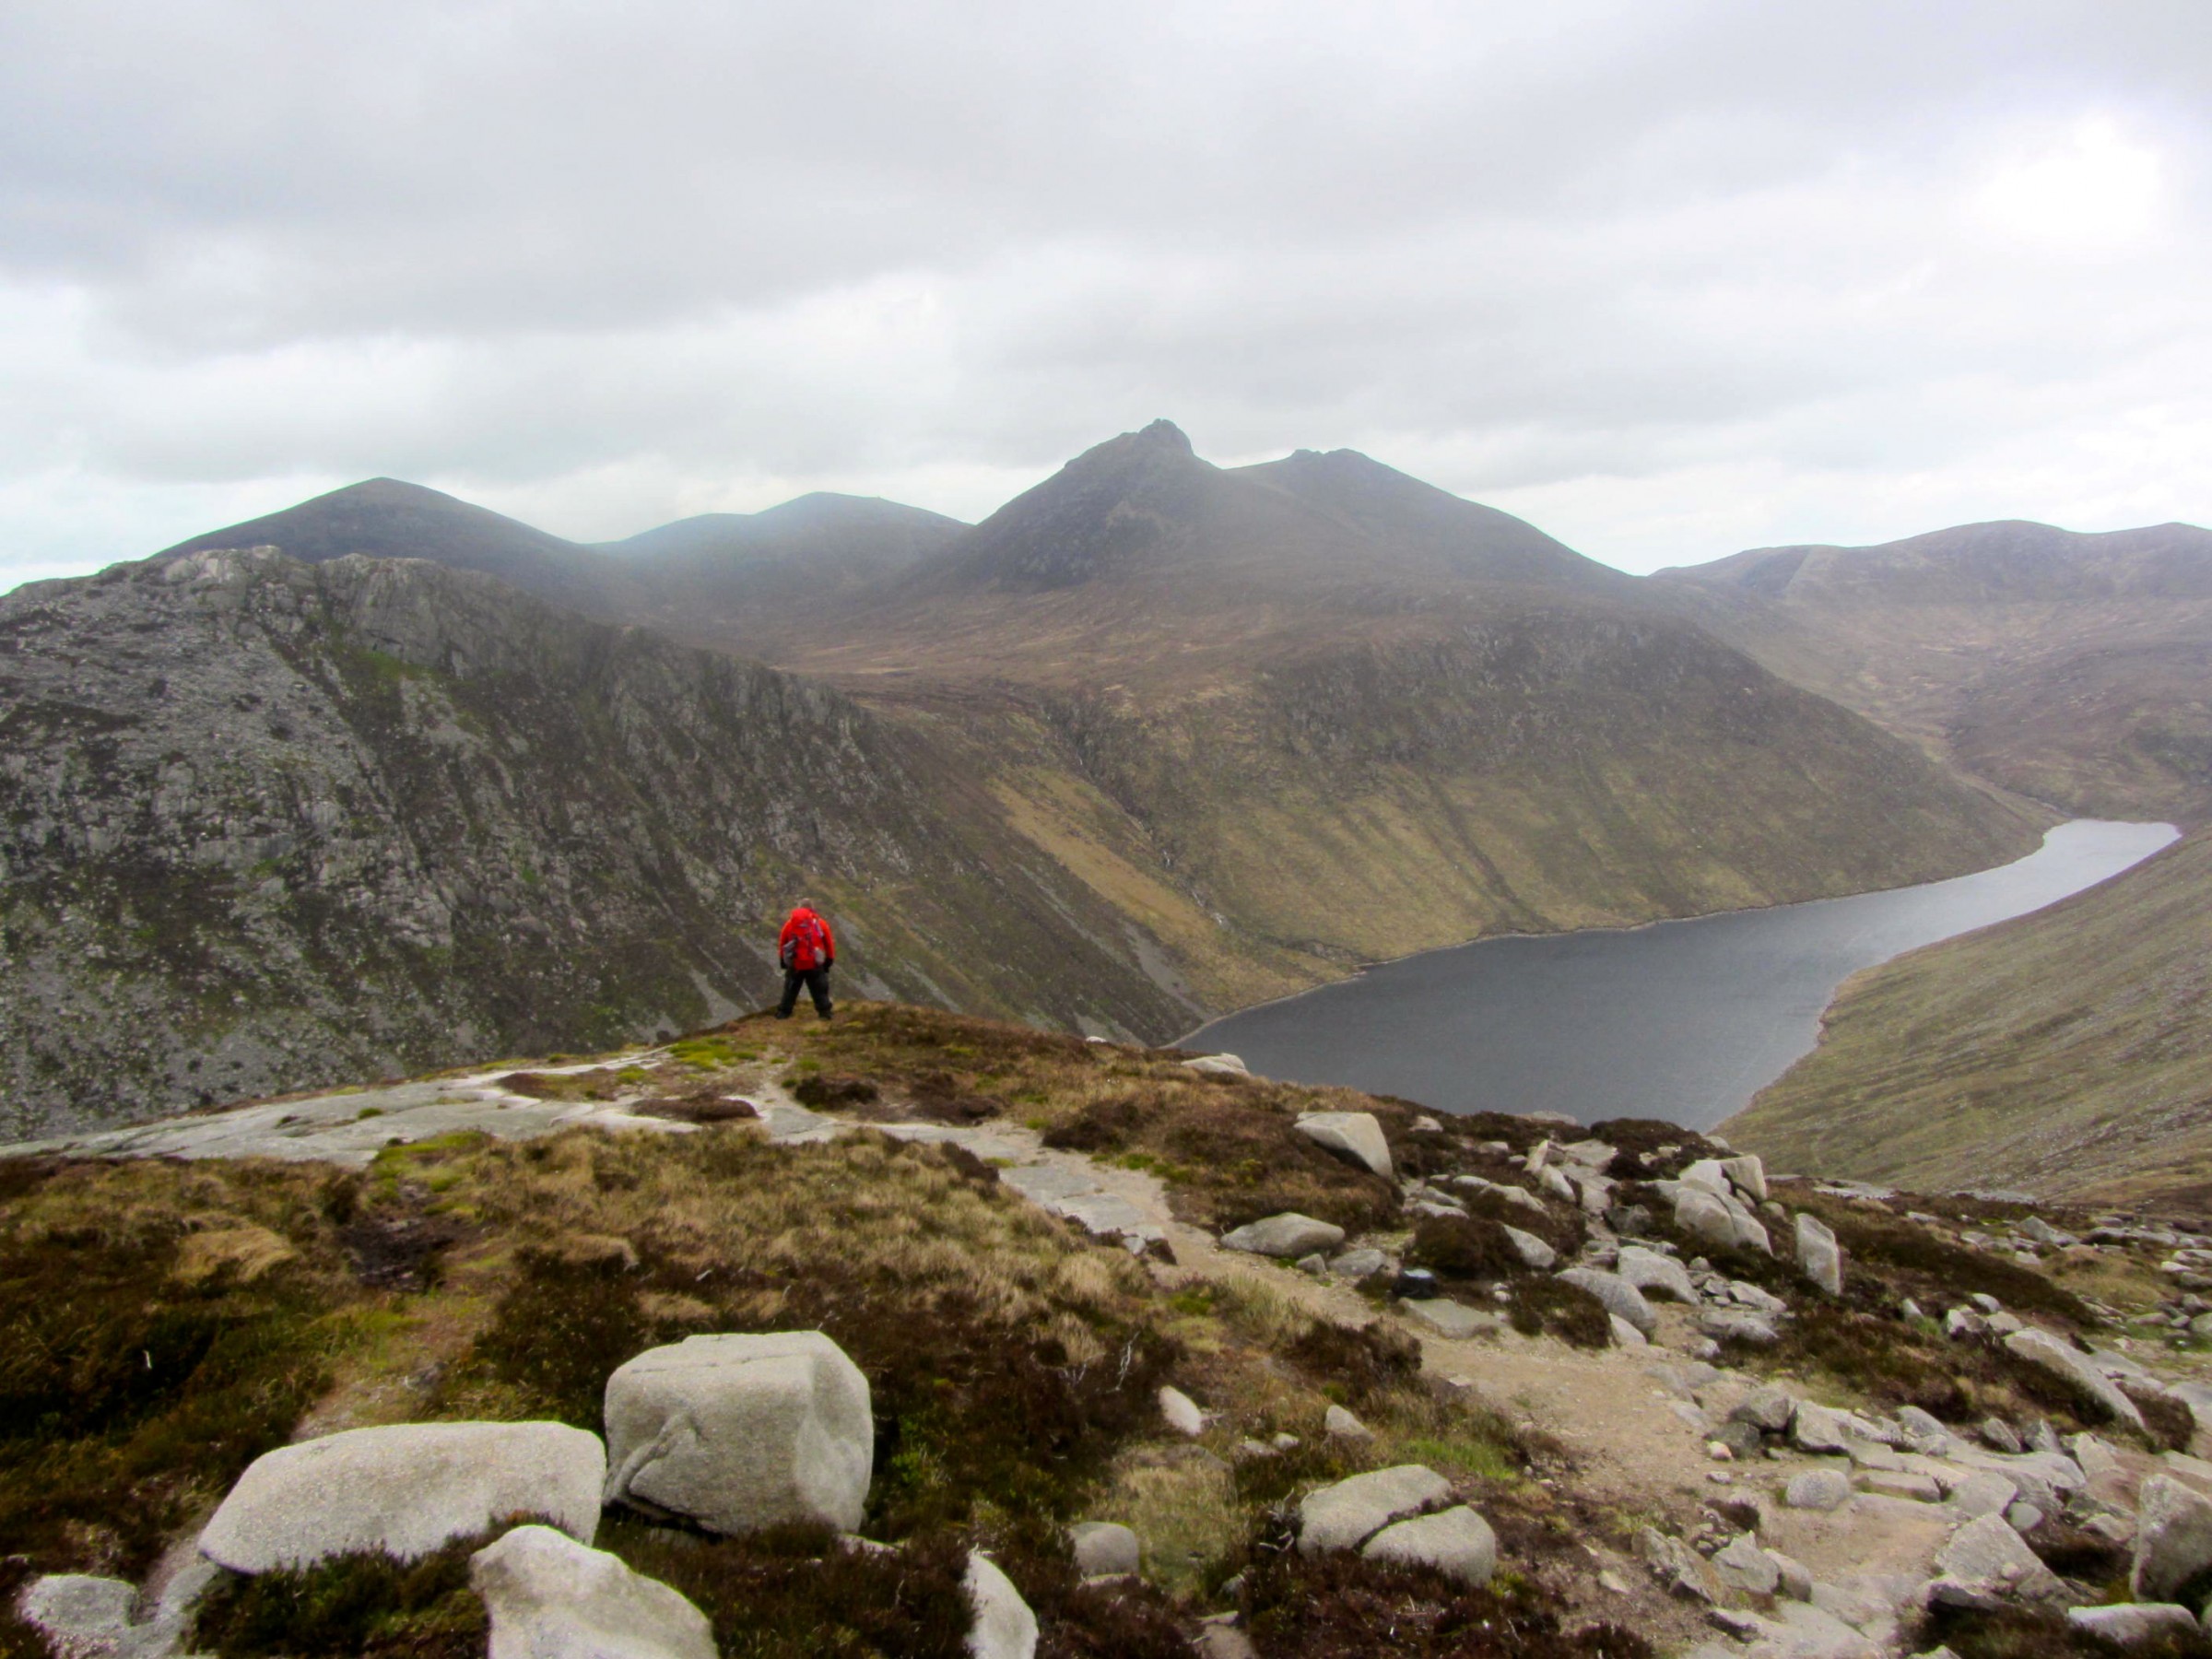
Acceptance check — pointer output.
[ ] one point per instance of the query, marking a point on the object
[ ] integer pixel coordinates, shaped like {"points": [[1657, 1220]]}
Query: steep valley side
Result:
{"points": [[2066, 1053], [269, 824]]}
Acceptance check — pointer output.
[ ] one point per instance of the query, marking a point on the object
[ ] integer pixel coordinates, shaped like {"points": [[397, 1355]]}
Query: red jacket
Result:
{"points": [[805, 942]]}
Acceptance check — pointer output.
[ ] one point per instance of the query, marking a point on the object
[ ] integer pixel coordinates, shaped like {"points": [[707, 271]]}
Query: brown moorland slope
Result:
{"points": [[2073, 668]]}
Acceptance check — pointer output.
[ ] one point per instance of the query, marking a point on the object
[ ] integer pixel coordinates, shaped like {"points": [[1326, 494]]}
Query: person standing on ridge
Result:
{"points": [[806, 949]]}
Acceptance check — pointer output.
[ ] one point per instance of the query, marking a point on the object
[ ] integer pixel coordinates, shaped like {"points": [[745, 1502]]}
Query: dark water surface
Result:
{"points": [[1682, 1020]]}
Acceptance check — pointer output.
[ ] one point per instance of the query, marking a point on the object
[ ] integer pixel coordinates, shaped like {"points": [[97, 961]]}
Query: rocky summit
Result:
{"points": [[946, 1337]]}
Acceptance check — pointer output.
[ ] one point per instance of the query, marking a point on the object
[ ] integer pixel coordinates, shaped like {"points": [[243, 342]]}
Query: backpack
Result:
{"points": [[808, 946]]}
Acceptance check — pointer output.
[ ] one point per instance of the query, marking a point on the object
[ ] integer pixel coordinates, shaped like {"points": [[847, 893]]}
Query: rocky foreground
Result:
{"points": [[912, 1334]]}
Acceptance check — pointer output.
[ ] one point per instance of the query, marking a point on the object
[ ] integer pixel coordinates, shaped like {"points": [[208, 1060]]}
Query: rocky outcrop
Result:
{"points": [[265, 825], [739, 1433], [550, 1598], [402, 1490]]}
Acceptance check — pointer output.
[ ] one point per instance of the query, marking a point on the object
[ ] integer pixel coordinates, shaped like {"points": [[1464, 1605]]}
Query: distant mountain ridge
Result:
{"points": [[2073, 668], [1205, 736]]}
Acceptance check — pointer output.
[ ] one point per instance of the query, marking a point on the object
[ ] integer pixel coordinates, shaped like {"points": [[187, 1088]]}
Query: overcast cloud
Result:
{"points": [[1670, 279]]}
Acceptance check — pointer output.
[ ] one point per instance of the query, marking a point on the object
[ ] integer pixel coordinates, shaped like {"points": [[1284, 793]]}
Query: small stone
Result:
{"points": [[1449, 1318], [1998, 1436], [1986, 1554], [1743, 1565], [2023, 1517], [1315, 1264], [1795, 1579], [1743, 1440], [1819, 1256], [1533, 1252], [1767, 1406], [1903, 1483], [1656, 1275], [1624, 1333], [1621, 1298], [1004, 1626], [1340, 1424], [1181, 1412], [1361, 1263], [1354, 1136], [1819, 1429], [1104, 1548], [1817, 1489], [1286, 1237], [1456, 1541]]}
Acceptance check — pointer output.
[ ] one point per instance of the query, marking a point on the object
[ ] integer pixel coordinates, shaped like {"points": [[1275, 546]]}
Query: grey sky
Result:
{"points": [[1670, 279]]}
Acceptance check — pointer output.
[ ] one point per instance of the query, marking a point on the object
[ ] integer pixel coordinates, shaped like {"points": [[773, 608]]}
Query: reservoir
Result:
{"points": [[1683, 1020]]}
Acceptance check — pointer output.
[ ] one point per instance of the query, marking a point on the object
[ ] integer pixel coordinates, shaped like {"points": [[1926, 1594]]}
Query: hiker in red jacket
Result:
{"points": [[806, 950]]}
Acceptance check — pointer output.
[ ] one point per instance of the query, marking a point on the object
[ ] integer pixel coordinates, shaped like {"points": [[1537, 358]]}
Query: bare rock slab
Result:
{"points": [[1349, 1512], [1454, 1321], [1286, 1237], [550, 1598], [86, 1618], [739, 1433], [1353, 1135], [1986, 1555], [1456, 1541], [403, 1490], [1656, 1275]]}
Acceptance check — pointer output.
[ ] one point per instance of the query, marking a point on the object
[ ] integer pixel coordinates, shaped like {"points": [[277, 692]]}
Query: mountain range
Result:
{"points": [[416, 783]]}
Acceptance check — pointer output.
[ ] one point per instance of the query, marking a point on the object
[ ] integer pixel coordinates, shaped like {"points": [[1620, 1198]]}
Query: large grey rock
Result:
{"points": [[1532, 1251], [739, 1433], [1622, 1300], [1656, 1275], [1003, 1627], [1456, 1541], [2128, 1623], [1738, 1324], [1454, 1321], [1351, 1511], [2173, 1537], [1104, 1548], [1286, 1237], [550, 1598], [1219, 1066], [1353, 1135], [2041, 1349], [1987, 1555], [405, 1489], [1820, 1257]]}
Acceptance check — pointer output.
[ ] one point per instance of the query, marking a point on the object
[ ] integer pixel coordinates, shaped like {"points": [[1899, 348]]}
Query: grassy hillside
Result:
{"points": [[2066, 1053]]}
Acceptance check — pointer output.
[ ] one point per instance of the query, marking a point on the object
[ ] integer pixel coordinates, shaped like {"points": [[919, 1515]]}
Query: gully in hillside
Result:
{"points": [[807, 951]]}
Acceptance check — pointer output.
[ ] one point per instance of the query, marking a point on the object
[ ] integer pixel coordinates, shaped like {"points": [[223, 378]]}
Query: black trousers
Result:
{"points": [[816, 980]]}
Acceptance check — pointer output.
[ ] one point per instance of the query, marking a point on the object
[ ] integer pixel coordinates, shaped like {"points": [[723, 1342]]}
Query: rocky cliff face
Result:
{"points": [[265, 824]]}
